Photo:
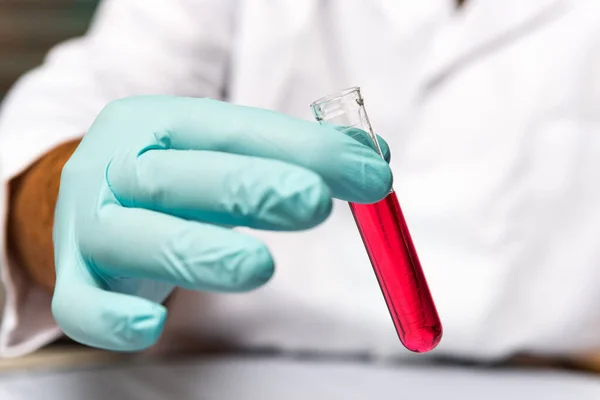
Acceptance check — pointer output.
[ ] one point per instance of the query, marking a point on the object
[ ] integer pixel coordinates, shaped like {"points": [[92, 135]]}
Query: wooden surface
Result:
{"points": [[61, 358]]}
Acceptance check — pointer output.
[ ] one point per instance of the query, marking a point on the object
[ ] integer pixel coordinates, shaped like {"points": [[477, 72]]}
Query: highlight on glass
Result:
{"points": [[386, 236]]}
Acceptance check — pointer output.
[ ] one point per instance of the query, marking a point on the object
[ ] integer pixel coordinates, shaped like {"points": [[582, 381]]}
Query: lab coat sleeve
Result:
{"points": [[178, 47]]}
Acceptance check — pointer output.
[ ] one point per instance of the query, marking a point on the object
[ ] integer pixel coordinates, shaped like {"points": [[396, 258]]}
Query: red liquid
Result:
{"points": [[394, 259]]}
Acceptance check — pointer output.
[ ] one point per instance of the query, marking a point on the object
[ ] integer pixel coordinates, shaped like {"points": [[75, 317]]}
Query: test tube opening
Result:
{"points": [[346, 111], [318, 104]]}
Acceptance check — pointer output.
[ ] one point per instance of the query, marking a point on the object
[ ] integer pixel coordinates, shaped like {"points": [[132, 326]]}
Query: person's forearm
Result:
{"points": [[32, 197]]}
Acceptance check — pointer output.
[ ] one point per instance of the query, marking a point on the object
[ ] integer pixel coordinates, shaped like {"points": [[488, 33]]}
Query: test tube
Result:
{"points": [[385, 235]]}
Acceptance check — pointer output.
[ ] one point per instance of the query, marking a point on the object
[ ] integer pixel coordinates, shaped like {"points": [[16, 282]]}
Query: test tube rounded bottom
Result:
{"points": [[399, 272]]}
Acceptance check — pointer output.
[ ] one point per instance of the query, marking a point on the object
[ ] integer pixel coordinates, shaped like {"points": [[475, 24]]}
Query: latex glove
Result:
{"points": [[146, 199]]}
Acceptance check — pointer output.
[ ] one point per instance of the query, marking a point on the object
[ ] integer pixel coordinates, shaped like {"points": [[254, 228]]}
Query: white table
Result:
{"points": [[273, 378]]}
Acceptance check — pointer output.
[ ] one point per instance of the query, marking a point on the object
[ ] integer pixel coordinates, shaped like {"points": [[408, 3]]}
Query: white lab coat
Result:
{"points": [[493, 118]]}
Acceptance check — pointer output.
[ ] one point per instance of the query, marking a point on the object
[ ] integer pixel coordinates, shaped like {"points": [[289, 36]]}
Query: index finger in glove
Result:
{"points": [[353, 171]]}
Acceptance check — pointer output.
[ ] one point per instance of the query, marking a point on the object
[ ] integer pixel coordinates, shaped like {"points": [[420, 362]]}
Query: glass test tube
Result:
{"points": [[386, 236]]}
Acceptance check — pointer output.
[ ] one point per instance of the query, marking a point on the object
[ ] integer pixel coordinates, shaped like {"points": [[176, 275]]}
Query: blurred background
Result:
{"points": [[29, 28]]}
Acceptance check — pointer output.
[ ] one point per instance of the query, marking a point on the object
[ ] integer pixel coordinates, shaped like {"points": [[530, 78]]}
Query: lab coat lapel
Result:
{"points": [[483, 27]]}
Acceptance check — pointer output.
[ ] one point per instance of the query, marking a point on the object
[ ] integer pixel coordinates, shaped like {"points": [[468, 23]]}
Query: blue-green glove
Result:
{"points": [[147, 199]]}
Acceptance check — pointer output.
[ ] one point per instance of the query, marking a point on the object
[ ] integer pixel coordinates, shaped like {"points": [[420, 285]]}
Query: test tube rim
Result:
{"points": [[335, 96]]}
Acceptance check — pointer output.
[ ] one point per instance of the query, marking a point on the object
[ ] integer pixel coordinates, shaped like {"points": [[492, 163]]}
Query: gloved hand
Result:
{"points": [[148, 198]]}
